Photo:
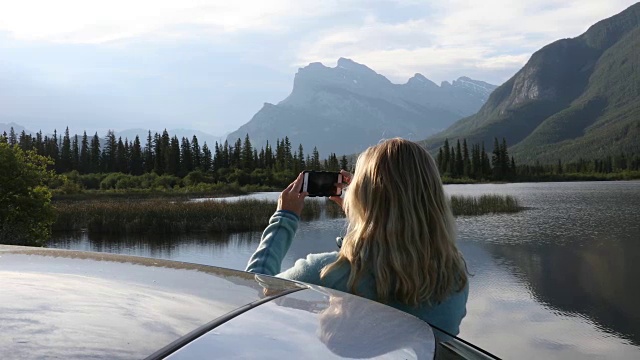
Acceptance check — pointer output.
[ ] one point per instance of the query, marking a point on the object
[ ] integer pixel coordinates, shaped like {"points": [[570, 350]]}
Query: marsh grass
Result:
{"points": [[170, 216], [484, 204], [162, 216]]}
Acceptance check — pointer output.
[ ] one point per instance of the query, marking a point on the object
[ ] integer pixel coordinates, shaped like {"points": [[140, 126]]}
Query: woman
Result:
{"points": [[399, 248]]}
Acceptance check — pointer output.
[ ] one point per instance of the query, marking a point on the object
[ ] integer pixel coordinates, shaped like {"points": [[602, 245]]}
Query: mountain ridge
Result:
{"points": [[563, 101], [344, 109]]}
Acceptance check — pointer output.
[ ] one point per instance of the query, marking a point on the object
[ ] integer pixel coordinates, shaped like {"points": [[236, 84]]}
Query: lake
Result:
{"points": [[558, 280]]}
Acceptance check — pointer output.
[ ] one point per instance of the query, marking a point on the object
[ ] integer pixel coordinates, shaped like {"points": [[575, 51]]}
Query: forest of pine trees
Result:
{"points": [[472, 162], [163, 154], [167, 161]]}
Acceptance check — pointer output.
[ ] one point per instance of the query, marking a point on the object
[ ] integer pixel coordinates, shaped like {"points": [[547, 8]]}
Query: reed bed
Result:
{"points": [[160, 216], [484, 204]]}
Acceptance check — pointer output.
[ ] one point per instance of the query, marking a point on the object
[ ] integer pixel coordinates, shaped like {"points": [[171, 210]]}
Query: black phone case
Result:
{"points": [[320, 195]]}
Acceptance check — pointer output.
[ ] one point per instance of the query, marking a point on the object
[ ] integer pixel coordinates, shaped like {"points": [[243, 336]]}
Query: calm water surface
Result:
{"points": [[558, 280]]}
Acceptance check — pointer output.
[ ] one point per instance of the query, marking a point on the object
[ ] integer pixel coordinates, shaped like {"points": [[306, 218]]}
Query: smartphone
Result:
{"points": [[321, 183]]}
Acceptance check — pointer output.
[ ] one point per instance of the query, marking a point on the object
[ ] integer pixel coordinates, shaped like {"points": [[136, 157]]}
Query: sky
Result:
{"points": [[211, 65]]}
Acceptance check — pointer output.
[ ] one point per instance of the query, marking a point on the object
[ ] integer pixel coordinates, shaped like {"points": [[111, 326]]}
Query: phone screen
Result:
{"points": [[321, 183]]}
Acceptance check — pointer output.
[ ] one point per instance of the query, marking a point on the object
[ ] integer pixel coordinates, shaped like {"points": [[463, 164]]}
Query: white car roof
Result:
{"points": [[72, 304]]}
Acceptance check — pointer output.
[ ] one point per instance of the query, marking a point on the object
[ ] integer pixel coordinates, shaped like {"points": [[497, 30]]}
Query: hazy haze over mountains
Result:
{"points": [[346, 108], [575, 98]]}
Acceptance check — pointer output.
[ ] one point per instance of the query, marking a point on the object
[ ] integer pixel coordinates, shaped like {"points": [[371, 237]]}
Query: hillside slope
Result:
{"points": [[575, 98]]}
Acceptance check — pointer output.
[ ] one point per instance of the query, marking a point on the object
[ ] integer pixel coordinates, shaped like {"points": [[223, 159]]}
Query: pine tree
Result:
{"points": [[269, 161], [172, 165], [148, 154], [84, 162], [225, 156], [504, 159], [65, 154], [301, 164], [75, 153], [315, 160], [161, 147], [446, 158], [344, 163], [279, 156], [440, 160], [186, 158], [465, 159], [39, 143], [137, 166], [109, 153], [52, 149], [332, 163], [25, 141], [496, 160], [476, 168], [247, 154], [95, 155], [486, 165], [127, 151], [207, 160], [452, 162], [196, 153], [288, 158], [13, 140], [459, 160], [255, 159], [217, 157], [121, 158], [261, 163]]}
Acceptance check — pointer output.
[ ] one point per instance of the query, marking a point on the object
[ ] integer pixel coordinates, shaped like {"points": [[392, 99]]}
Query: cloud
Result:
{"points": [[489, 39], [134, 62], [94, 21]]}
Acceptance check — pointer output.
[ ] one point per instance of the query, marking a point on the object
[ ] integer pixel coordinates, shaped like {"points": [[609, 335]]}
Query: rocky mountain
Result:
{"points": [[575, 98], [16, 128], [346, 108]]}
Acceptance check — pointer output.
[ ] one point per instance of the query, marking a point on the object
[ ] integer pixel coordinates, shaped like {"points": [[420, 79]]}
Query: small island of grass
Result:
{"points": [[163, 216]]}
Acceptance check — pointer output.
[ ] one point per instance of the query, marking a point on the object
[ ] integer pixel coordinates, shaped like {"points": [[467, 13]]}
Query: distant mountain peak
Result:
{"points": [[344, 109], [419, 77], [474, 85], [420, 80], [347, 63], [352, 66]]}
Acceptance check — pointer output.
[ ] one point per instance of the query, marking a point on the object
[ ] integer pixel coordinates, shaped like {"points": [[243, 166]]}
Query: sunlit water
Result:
{"points": [[559, 280]]}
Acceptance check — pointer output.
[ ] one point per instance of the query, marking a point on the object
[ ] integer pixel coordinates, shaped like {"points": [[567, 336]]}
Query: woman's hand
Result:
{"points": [[346, 180], [291, 199]]}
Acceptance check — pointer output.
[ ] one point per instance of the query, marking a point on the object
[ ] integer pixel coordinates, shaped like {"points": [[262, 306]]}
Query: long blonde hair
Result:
{"points": [[401, 228]]}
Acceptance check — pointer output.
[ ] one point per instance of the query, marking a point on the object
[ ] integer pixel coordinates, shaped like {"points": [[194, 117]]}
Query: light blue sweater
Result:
{"points": [[275, 243]]}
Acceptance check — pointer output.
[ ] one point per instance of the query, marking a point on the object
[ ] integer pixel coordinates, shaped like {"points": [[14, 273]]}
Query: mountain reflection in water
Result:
{"points": [[555, 281], [597, 282]]}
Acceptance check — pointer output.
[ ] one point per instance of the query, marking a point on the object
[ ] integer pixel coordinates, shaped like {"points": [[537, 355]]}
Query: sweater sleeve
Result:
{"points": [[274, 244], [308, 269]]}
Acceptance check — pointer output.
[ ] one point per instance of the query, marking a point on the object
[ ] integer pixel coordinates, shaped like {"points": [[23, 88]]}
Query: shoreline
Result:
{"points": [[185, 194], [447, 181]]}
